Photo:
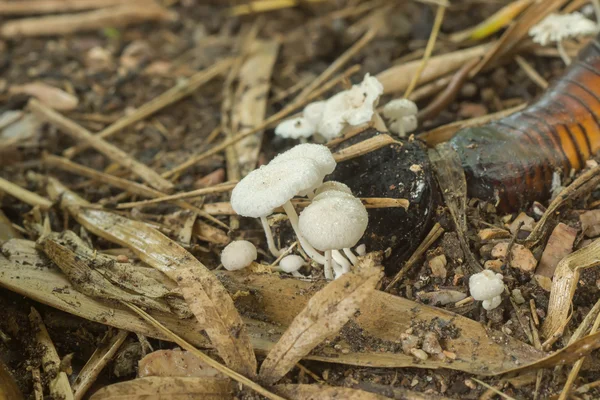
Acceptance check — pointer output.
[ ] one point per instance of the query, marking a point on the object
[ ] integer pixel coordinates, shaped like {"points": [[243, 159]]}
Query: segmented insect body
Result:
{"points": [[513, 160]]}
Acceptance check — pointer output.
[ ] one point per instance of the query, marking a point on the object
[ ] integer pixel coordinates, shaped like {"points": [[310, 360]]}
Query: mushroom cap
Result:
{"points": [[486, 285], [318, 153], [556, 27], [333, 185], [361, 249], [399, 108], [291, 263], [238, 254], [295, 128], [354, 107], [271, 186], [334, 222], [313, 112], [332, 193]]}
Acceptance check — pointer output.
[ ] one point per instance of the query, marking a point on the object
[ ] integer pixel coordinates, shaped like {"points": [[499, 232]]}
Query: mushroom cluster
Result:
{"points": [[487, 286], [328, 118], [335, 220]]}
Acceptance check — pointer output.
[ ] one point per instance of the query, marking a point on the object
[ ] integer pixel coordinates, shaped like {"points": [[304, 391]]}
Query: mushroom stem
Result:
{"points": [[270, 242], [327, 267], [341, 260], [337, 270], [351, 256], [310, 251], [401, 130], [563, 53]]}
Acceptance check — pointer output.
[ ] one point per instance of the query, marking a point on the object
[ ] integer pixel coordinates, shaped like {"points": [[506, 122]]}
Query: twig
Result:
{"points": [[110, 151], [439, 17], [431, 237], [176, 93], [364, 147], [531, 72], [24, 195], [101, 357], [274, 118], [216, 365], [56, 6], [223, 187], [499, 393], [350, 133], [119, 16], [59, 383], [38, 390], [124, 184]]}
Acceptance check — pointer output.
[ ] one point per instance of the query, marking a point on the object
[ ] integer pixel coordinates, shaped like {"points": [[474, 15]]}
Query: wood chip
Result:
{"points": [[560, 245], [590, 223], [521, 257], [523, 222], [325, 313], [493, 233]]}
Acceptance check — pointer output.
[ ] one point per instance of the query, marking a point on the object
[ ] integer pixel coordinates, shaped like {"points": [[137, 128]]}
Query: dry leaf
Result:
{"points": [[175, 363], [51, 96], [205, 295], [564, 283], [398, 77], [324, 315], [323, 392], [176, 388]]}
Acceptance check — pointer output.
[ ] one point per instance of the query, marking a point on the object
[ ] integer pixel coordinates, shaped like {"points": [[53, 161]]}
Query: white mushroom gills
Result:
{"points": [[238, 255], [487, 286]]}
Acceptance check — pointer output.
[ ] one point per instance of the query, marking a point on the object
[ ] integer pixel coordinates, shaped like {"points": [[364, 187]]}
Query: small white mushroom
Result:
{"points": [[318, 153], [334, 223], [487, 286], [291, 264], [361, 249], [333, 185], [558, 27], [351, 107], [272, 186], [238, 255], [295, 128], [403, 116]]}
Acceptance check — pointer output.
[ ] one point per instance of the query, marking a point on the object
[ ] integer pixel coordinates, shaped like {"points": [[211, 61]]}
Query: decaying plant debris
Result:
{"points": [[125, 127]]}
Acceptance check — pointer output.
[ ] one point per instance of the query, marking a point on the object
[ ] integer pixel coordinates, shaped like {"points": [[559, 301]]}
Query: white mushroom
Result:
{"points": [[334, 223], [558, 27], [361, 249], [403, 114], [238, 254], [351, 107], [487, 286], [295, 128], [291, 264], [313, 112], [272, 186]]}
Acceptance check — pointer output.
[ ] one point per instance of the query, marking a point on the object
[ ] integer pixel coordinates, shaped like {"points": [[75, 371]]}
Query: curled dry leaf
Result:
{"points": [[205, 295], [324, 392], [168, 388], [49, 95], [566, 277], [324, 315]]}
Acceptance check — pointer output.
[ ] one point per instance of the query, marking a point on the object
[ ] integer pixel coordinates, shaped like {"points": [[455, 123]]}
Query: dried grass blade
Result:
{"points": [[24, 195], [564, 283], [168, 388], [364, 147], [325, 313]]}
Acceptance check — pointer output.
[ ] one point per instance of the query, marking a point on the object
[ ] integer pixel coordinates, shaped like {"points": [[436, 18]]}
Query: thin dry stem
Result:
{"points": [[223, 187], [24, 195]]}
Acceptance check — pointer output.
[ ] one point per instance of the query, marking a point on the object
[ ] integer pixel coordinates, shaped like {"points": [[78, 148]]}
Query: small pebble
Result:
{"points": [[420, 354], [518, 296], [438, 266], [470, 384], [122, 258], [449, 354], [431, 345]]}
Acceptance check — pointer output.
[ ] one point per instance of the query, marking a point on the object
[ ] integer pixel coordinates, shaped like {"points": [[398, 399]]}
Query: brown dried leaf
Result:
{"points": [[324, 392], [398, 77], [566, 277], [324, 315], [49, 95], [206, 296], [175, 363], [177, 388]]}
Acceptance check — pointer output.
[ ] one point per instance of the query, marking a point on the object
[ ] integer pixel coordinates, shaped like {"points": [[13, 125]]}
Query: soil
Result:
{"points": [[204, 33]]}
